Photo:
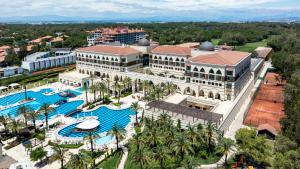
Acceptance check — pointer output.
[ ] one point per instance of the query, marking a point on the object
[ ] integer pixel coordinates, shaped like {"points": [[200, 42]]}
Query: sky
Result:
{"points": [[208, 9]]}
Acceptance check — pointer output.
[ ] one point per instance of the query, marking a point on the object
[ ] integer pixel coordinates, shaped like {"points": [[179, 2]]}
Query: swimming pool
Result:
{"points": [[39, 99], [104, 140], [107, 117]]}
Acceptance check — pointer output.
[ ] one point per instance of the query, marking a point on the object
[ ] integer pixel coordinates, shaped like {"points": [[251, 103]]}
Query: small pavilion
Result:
{"points": [[177, 109]]}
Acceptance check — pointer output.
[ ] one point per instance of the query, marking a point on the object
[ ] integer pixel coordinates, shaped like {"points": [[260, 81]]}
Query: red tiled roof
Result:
{"points": [[263, 52], [229, 58], [115, 50], [268, 127], [172, 50]]}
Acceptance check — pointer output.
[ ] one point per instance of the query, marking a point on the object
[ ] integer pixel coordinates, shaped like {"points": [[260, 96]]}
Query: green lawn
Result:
{"points": [[112, 161], [215, 41], [249, 47]]}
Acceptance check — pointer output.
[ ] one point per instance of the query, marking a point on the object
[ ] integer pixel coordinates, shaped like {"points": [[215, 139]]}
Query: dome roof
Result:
{"points": [[207, 46], [144, 42]]}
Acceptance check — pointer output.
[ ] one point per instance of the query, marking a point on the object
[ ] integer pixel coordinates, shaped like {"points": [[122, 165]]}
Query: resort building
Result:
{"points": [[169, 60], [220, 75], [215, 75], [10, 71], [43, 60], [263, 52], [123, 35], [94, 59]]}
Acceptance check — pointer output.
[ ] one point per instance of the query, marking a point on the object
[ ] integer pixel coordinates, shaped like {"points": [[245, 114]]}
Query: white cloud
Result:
{"points": [[132, 7]]}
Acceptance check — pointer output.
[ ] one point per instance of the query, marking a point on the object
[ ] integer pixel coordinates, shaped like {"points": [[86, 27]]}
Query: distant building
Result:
{"points": [[10, 71], [263, 52], [190, 45], [123, 35], [40, 40], [43, 60]]}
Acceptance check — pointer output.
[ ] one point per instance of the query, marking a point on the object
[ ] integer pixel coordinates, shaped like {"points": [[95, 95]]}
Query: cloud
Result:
{"points": [[106, 8]]}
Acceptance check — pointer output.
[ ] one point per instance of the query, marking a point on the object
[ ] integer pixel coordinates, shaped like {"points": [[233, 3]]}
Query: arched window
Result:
{"points": [[166, 58], [116, 59], [159, 57], [202, 70], [182, 60], [195, 69], [218, 96], [218, 72], [210, 95], [219, 75], [103, 58], [112, 59], [107, 58], [211, 74], [155, 57], [201, 93], [177, 60], [98, 57], [211, 71], [171, 59]]}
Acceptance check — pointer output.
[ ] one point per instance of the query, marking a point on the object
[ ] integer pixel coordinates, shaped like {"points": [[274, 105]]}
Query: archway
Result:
{"points": [[201, 93], [218, 96], [210, 95]]}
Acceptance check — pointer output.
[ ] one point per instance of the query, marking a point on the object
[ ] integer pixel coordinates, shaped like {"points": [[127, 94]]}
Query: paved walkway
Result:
{"points": [[124, 158]]}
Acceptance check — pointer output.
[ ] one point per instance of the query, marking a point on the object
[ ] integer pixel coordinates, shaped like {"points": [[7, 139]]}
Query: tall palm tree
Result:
{"points": [[192, 135], [182, 146], [136, 107], [93, 89], [169, 88], [102, 88], [210, 133], [137, 130], [118, 133], [226, 146], [145, 85], [4, 120], [91, 136], [85, 87], [141, 157], [45, 109], [160, 154], [108, 84], [32, 115], [16, 125], [118, 88], [153, 137], [77, 161], [22, 111], [60, 153]]}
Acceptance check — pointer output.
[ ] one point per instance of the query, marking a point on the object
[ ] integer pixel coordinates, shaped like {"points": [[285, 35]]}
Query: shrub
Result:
{"points": [[38, 154]]}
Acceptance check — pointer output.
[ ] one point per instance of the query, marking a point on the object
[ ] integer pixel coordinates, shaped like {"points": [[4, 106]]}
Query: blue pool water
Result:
{"points": [[107, 117], [104, 140], [40, 99]]}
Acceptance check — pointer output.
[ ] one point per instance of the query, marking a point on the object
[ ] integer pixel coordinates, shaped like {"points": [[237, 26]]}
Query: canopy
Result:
{"points": [[14, 85], [88, 124], [3, 87]]}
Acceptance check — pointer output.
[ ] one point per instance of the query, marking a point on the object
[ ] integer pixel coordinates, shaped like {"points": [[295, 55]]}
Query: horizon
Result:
{"points": [[150, 10]]}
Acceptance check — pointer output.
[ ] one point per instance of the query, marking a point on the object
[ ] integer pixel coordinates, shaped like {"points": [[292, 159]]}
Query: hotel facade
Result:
{"points": [[212, 75]]}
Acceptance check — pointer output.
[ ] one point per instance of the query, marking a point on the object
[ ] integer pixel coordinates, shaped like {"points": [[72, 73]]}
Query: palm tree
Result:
{"points": [[108, 84], [210, 132], [102, 88], [153, 137], [77, 161], [182, 146], [226, 146], [59, 153], [85, 87], [160, 154], [136, 107], [145, 85], [169, 87], [190, 162], [16, 125], [93, 89], [4, 120], [118, 88], [45, 110], [141, 157], [137, 130], [118, 133], [32, 115], [192, 135], [22, 111], [126, 83], [91, 136]]}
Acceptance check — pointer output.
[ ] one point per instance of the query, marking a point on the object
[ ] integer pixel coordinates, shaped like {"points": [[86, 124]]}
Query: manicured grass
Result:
{"points": [[250, 47], [71, 146], [117, 104], [215, 41], [112, 161]]}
